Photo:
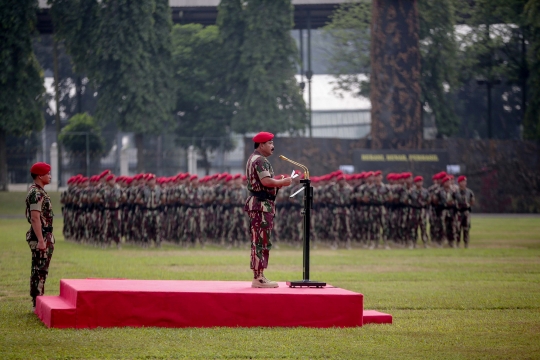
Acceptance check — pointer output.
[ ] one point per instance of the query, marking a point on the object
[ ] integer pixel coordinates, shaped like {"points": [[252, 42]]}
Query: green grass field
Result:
{"points": [[483, 302]]}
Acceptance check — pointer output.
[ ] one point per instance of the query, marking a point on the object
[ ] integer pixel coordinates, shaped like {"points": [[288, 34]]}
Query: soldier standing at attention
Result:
{"points": [[447, 200], [40, 238], [419, 200], [464, 202], [260, 205]]}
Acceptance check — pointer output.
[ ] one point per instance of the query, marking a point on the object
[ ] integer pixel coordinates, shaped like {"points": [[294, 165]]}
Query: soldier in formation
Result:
{"points": [[106, 210], [356, 209]]}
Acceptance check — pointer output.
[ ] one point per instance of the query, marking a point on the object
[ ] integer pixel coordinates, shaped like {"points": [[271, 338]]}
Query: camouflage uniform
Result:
{"points": [[151, 206], [364, 211], [260, 211], [237, 228], [339, 195], [446, 197], [110, 198], [376, 196], [418, 202], [464, 200], [38, 200], [435, 211]]}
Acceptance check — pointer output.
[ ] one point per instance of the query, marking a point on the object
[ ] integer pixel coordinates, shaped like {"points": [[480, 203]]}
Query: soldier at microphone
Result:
{"points": [[260, 205]]}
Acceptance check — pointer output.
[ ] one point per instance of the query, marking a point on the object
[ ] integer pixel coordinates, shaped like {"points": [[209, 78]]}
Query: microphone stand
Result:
{"points": [[306, 212]]}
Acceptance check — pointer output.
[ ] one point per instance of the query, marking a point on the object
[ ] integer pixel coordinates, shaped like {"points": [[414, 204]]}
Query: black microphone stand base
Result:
{"points": [[307, 283]]}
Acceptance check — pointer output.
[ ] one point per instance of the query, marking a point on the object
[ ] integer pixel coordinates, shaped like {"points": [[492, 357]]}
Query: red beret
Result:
{"points": [[418, 178], [377, 173], [390, 176], [40, 168], [406, 175], [445, 179], [110, 177], [193, 177], [104, 173], [440, 175], [237, 176], [263, 137], [461, 178], [339, 177], [368, 174], [229, 178]]}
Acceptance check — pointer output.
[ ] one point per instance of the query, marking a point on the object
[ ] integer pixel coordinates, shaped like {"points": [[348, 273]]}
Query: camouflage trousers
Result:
{"points": [[464, 225], [261, 225], [41, 260], [449, 225], [237, 226], [418, 220], [341, 227], [364, 223], [396, 224], [437, 226], [112, 226], [151, 228], [376, 225]]}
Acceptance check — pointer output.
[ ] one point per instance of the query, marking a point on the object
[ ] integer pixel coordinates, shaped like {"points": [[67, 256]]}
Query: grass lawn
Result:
{"points": [[483, 302]]}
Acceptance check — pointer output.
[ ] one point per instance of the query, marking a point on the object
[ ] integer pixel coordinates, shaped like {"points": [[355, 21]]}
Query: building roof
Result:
{"points": [[205, 12], [325, 99]]}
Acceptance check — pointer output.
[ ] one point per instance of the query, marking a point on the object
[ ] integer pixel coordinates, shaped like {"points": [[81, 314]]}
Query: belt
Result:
{"points": [[263, 195]]}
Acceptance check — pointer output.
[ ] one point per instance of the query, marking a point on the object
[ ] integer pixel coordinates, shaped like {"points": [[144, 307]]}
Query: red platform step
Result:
{"points": [[375, 317], [94, 303]]}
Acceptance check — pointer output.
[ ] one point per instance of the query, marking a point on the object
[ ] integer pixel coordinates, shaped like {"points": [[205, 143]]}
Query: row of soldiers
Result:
{"points": [[188, 210]]}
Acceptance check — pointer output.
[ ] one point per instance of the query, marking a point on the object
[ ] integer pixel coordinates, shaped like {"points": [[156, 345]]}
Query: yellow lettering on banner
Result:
{"points": [[372, 157], [396, 157], [424, 157]]}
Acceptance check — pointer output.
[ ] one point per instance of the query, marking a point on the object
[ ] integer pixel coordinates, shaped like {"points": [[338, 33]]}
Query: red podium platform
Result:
{"points": [[95, 303]]}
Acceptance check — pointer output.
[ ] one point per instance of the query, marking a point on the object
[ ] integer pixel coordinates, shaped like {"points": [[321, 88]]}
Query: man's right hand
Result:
{"points": [[286, 181], [41, 245]]}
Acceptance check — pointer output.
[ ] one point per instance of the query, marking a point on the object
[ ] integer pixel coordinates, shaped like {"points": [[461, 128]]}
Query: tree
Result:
{"points": [[202, 110], [497, 53], [439, 62], [349, 54], [21, 78], [130, 61], [73, 137], [231, 23], [532, 115], [268, 96], [396, 120]]}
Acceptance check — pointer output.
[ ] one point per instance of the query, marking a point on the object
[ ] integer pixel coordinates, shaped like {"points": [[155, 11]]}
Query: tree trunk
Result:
{"points": [[396, 121], [139, 144], [3, 161], [57, 115]]}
